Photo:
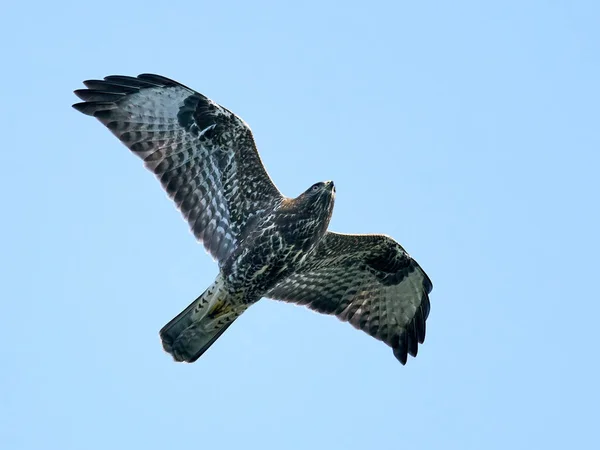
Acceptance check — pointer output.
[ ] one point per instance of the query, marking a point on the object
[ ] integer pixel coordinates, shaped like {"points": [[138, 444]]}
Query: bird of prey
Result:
{"points": [[266, 244]]}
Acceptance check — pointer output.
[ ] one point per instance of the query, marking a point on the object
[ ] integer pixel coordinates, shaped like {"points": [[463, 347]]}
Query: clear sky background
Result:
{"points": [[467, 130]]}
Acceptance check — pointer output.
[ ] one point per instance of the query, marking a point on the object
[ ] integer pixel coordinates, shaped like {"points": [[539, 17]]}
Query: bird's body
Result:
{"points": [[280, 242], [267, 245], [275, 247]]}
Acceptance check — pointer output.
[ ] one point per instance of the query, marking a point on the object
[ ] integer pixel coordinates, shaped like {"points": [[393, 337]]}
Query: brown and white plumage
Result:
{"points": [[203, 155], [266, 244], [369, 281]]}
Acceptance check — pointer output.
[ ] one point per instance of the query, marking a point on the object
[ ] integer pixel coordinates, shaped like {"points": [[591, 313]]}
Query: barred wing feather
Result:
{"points": [[203, 154], [369, 281]]}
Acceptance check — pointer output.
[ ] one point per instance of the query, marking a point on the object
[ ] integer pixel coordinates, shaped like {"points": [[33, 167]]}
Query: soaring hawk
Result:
{"points": [[266, 244]]}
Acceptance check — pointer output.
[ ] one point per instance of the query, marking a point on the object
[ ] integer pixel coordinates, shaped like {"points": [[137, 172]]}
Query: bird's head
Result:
{"points": [[319, 198], [316, 204], [307, 216]]}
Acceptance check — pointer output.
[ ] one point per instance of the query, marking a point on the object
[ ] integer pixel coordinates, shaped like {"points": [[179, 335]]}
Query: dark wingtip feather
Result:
{"points": [[101, 93], [133, 82], [93, 108], [412, 344], [420, 324], [160, 80], [157, 79], [81, 108], [92, 95], [400, 349], [111, 88], [427, 283]]}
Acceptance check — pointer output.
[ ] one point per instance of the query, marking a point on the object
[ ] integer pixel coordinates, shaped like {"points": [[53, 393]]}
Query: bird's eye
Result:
{"points": [[315, 188]]}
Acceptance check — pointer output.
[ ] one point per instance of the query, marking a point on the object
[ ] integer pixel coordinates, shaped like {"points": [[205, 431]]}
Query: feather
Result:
{"points": [[369, 281], [207, 175]]}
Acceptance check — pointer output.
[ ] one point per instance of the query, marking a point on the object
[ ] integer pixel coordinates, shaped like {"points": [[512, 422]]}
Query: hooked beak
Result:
{"points": [[330, 186]]}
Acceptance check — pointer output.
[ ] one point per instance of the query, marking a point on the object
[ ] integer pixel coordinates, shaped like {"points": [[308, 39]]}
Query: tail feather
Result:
{"points": [[193, 342], [196, 328], [178, 324]]}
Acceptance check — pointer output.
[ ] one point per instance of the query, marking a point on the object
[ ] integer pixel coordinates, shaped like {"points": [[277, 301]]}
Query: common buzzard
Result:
{"points": [[266, 244]]}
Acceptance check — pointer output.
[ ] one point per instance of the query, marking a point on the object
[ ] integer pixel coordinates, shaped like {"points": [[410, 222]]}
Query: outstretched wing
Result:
{"points": [[203, 154], [369, 281]]}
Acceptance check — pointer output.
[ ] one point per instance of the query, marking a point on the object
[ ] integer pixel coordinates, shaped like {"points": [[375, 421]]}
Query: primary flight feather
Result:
{"points": [[266, 244]]}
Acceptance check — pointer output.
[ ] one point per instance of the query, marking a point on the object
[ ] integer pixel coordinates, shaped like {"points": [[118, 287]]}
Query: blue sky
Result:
{"points": [[466, 130]]}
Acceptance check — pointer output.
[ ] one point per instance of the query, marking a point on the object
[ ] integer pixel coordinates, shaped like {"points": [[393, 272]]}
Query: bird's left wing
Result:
{"points": [[369, 281], [202, 153]]}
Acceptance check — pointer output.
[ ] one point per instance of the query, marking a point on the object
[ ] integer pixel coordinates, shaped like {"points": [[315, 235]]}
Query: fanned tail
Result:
{"points": [[197, 327]]}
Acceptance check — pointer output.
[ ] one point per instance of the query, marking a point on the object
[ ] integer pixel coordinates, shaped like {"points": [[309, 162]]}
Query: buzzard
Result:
{"points": [[266, 244]]}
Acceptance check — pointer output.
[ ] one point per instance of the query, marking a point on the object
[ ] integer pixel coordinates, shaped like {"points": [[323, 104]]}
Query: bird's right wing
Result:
{"points": [[203, 154], [369, 281]]}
